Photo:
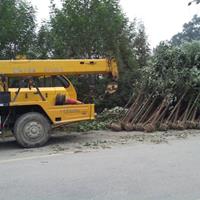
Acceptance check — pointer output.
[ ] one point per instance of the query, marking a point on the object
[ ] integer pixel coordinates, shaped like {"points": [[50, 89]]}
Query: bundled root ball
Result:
{"points": [[163, 127], [139, 127], [149, 128], [180, 126], [116, 126], [191, 124], [128, 127]]}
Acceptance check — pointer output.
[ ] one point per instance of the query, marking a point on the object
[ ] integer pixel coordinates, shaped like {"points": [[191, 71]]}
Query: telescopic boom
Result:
{"points": [[19, 68]]}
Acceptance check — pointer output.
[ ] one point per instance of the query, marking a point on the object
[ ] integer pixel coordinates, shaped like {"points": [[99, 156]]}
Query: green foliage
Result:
{"points": [[141, 46], [92, 28], [96, 29], [17, 22], [174, 68], [102, 122], [43, 43], [190, 32]]}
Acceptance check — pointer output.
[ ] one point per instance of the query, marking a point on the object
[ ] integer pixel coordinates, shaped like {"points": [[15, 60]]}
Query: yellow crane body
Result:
{"points": [[14, 68], [36, 95]]}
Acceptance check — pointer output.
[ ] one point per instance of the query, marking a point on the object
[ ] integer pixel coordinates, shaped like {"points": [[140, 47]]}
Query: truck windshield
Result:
{"points": [[50, 81]]}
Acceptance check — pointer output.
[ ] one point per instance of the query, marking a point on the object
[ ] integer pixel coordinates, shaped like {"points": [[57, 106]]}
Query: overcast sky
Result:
{"points": [[162, 18]]}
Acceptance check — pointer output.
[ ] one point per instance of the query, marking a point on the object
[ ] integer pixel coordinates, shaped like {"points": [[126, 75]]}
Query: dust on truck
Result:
{"points": [[35, 96]]}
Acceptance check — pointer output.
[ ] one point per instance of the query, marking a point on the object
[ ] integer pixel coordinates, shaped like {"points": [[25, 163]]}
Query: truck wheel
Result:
{"points": [[32, 130]]}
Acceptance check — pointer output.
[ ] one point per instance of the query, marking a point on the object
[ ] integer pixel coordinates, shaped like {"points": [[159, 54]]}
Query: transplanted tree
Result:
{"points": [[176, 65], [17, 22]]}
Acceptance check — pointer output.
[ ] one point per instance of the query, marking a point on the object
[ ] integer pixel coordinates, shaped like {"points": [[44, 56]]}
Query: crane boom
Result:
{"points": [[14, 68]]}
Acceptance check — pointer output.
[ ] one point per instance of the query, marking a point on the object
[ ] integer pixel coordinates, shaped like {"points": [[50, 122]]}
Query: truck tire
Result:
{"points": [[32, 130]]}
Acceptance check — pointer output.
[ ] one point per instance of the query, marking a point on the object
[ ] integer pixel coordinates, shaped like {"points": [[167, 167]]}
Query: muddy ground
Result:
{"points": [[95, 140]]}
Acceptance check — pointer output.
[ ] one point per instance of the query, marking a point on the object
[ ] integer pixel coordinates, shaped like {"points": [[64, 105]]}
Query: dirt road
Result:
{"points": [[91, 141]]}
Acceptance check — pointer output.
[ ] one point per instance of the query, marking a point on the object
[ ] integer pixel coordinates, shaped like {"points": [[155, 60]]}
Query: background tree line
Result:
{"points": [[91, 29]]}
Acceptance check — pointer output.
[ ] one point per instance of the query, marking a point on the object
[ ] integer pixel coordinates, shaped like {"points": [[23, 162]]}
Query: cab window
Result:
{"points": [[51, 81]]}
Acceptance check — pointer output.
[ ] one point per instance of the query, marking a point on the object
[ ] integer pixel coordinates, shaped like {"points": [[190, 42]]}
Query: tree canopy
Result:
{"points": [[91, 28], [17, 22], [190, 32], [95, 29]]}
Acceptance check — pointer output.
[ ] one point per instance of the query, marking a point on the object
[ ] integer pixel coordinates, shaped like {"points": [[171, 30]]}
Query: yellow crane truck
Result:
{"points": [[35, 96]]}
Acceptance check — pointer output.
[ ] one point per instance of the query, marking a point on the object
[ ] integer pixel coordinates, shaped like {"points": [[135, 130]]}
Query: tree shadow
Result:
{"points": [[56, 139], [8, 143], [63, 139]]}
